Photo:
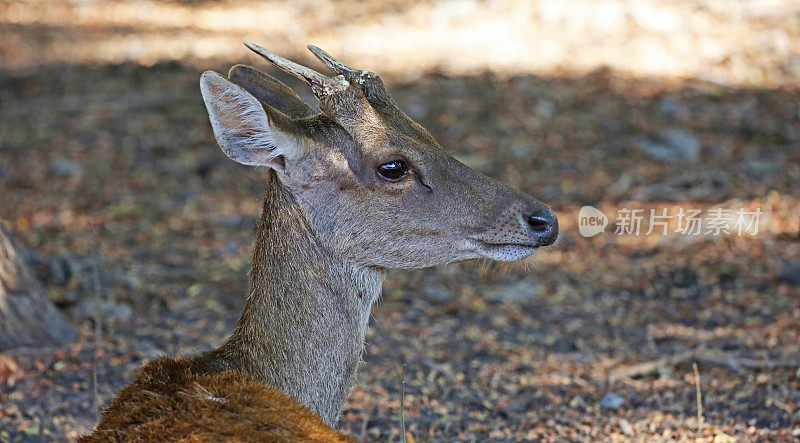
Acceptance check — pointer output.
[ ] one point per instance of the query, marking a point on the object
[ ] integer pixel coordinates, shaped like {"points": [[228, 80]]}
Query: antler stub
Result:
{"points": [[320, 84]]}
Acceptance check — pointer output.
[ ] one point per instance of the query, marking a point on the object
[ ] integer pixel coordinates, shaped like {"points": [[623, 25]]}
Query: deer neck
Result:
{"points": [[304, 324]]}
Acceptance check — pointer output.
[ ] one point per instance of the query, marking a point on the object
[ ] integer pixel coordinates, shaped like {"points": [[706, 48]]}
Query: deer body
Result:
{"points": [[351, 191]]}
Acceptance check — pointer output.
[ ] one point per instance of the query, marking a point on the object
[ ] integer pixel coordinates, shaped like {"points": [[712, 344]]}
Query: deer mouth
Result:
{"points": [[505, 251]]}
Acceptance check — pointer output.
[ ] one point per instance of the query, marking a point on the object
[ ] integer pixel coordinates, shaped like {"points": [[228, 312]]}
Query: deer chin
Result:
{"points": [[505, 251]]}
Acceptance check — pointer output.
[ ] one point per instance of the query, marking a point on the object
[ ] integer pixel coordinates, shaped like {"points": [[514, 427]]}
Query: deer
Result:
{"points": [[352, 189]]}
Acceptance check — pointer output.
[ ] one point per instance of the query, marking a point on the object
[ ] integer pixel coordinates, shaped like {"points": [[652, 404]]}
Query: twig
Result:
{"points": [[649, 367], [699, 399], [367, 415], [97, 339], [23, 351], [747, 363], [702, 356], [403, 406], [95, 395]]}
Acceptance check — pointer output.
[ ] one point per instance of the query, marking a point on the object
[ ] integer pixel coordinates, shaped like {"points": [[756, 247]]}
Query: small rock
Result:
{"points": [[206, 167], [564, 345], [230, 247], [791, 273], [517, 406], [437, 293], [760, 169], [516, 292], [577, 402], [520, 150], [238, 221], [611, 401], [669, 107], [67, 167], [545, 109], [673, 144], [625, 427], [61, 270], [103, 310]]}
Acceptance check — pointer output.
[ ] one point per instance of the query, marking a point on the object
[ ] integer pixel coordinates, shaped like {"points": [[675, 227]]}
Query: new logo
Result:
{"points": [[591, 221]]}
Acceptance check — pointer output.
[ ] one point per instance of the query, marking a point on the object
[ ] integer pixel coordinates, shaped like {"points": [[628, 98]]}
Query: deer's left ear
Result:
{"points": [[248, 131]]}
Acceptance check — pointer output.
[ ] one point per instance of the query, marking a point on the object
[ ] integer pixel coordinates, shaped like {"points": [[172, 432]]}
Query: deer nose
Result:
{"points": [[543, 225]]}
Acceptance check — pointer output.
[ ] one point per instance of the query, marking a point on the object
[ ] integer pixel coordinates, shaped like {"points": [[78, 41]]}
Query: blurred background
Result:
{"points": [[139, 228]]}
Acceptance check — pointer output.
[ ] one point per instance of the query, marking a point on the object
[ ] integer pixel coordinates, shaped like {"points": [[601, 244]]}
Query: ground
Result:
{"points": [[141, 229]]}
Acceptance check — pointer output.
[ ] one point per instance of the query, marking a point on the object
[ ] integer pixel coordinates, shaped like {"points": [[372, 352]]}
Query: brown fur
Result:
{"points": [[173, 398]]}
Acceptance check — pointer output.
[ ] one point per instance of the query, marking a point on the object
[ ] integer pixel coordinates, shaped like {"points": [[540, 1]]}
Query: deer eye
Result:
{"points": [[393, 170]]}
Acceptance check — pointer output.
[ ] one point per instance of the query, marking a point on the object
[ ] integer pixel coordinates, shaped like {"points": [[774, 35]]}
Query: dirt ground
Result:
{"points": [[140, 230]]}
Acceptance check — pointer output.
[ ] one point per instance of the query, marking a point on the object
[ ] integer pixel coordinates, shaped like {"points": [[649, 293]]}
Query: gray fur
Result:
{"points": [[304, 322]]}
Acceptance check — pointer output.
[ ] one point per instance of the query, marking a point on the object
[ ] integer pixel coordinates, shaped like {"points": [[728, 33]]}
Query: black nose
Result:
{"points": [[544, 226]]}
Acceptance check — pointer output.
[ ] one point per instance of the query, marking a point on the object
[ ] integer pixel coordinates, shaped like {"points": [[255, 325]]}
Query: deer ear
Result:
{"points": [[270, 90], [247, 131]]}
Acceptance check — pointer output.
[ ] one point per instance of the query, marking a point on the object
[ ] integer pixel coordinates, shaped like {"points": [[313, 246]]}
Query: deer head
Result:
{"points": [[375, 188]]}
